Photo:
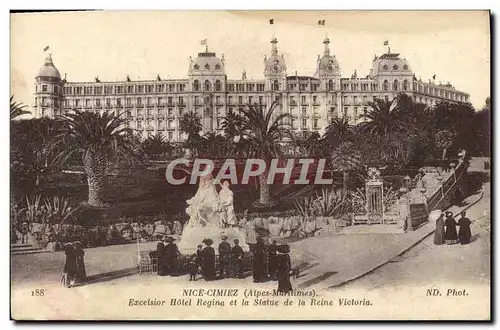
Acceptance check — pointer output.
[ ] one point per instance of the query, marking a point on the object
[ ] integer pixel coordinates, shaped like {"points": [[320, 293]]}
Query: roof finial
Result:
{"points": [[274, 49], [326, 42]]}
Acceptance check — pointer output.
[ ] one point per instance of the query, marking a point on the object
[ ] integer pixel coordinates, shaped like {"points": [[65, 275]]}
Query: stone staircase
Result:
{"points": [[27, 248]]}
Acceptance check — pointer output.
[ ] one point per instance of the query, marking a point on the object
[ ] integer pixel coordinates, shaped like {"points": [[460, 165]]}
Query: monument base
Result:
{"points": [[194, 236]]}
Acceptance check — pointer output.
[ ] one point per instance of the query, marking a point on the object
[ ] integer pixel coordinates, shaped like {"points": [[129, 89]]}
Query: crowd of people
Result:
{"points": [[446, 229], [268, 262]]}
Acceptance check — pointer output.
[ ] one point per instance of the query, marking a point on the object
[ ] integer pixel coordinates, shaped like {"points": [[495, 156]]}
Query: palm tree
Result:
{"points": [[231, 124], [444, 139], [263, 134], [309, 143], [213, 144], [346, 157], [339, 130], [154, 146], [17, 109], [96, 138], [383, 118], [417, 116], [190, 123]]}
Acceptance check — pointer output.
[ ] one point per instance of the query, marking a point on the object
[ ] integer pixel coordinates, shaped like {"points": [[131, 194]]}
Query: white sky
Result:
{"points": [[453, 45]]}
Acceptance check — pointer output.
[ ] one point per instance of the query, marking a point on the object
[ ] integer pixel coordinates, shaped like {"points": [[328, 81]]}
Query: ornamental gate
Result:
{"points": [[374, 197]]}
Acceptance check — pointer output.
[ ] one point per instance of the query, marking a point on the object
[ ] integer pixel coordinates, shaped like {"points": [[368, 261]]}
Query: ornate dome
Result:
{"points": [[275, 64], [207, 63], [328, 64], [390, 63], [48, 69]]}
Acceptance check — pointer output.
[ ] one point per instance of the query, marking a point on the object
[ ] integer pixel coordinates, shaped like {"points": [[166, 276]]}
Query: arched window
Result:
{"points": [[196, 85], [207, 66], [276, 85], [405, 85], [330, 85], [395, 85], [207, 85], [217, 66], [386, 85], [217, 85], [196, 66], [385, 67], [395, 67]]}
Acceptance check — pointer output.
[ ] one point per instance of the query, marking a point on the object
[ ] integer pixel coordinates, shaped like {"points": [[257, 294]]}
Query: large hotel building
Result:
{"points": [[157, 105]]}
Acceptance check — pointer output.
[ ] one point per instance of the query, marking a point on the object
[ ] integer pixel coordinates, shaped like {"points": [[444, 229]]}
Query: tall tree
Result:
{"points": [[156, 146], [231, 124], [190, 123], [346, 158], [309, 144], [32, 150], [384, 117], [444, 140], [338, 131], [96, 138], [263, 134]]}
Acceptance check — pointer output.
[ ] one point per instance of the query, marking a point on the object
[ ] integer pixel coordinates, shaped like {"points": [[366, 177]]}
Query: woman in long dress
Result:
{"points": [[439, 233], [450, 235], [70, 265], [464, 233], [208, 262], [160, 254], [284, 266], [81, 274]]}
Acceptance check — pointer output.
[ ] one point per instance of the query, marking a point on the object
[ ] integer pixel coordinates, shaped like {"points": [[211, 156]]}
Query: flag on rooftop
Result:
{"points": [[203, 42], [271, 21], [321, 22], [386, 43], [46, 48]]}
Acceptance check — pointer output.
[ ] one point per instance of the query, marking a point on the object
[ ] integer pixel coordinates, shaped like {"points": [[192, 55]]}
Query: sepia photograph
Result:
{"points": [[250, 165]]}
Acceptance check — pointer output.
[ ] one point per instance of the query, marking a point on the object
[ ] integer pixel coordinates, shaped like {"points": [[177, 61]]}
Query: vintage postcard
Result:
{"points": [[250, 165]]}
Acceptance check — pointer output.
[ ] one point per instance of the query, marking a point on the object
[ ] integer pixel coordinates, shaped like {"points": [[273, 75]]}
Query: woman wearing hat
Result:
{"points": [[450, 235], [69, 270], [439, 233], [464, 233], [80, 273], [284, 265], [208, 260]]}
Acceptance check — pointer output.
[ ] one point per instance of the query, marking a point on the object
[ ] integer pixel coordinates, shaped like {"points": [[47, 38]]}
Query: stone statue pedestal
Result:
{"points": [[193, 236]]}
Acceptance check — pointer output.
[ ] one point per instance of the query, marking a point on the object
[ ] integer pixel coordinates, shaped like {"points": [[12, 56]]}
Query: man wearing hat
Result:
{"points": [[24, 233], [208, 260], [259, 261], [224, 257], [237, 258], [172, 256]]}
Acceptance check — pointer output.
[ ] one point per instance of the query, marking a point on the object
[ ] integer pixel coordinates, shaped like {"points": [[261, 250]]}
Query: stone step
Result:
{"points": [[30, 251]]}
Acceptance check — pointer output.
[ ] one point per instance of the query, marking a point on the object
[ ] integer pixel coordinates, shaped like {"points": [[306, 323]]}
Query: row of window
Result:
{"points": [[128, 89], [440, 92], [45, 89], [395, 67]]}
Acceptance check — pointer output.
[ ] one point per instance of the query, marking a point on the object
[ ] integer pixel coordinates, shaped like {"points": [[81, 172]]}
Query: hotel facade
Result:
{"points": [[157, 105]]}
